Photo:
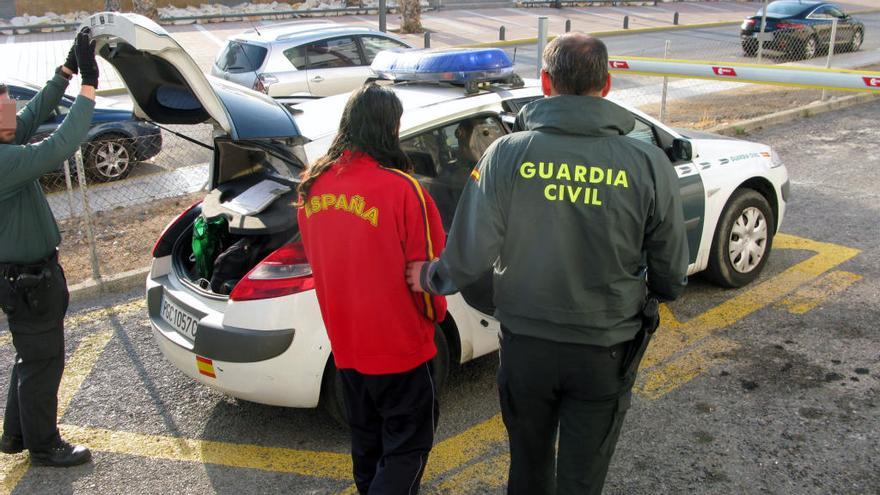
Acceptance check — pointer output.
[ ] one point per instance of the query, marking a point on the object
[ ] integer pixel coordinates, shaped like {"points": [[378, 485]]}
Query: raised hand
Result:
{"points": [[85, 57]]}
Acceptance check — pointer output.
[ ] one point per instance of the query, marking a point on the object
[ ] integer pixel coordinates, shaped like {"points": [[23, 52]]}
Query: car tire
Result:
{"points": [[810, 48], [856, 42], [109, 158], [750, 49], [743, 240], [333, 401]]}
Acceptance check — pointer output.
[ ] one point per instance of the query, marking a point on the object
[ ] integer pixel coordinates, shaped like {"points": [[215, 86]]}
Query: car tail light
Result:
{"points": [[748, 23], [156, 251], [789, 25], [263, 82], [286, 271]]}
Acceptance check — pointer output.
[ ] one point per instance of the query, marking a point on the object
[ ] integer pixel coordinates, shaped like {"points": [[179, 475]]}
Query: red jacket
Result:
{"points": [[360, 225]]}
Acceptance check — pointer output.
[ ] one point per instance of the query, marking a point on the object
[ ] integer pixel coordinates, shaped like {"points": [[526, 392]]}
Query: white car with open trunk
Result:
{"points": [[257, 333]]}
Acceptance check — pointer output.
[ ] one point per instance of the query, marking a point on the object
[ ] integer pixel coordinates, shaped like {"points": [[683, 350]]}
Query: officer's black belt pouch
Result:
{"points": [[9, 299], [650, 316]]}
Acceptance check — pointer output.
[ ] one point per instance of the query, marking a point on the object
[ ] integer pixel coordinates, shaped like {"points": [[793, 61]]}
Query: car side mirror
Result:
{"points": [[682, 150]]}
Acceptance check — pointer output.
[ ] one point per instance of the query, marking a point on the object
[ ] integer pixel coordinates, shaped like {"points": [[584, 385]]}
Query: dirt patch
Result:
{"points": [[124, 237]]}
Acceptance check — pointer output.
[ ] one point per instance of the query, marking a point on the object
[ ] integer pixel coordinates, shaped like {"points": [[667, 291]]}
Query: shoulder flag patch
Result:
{"points": [[475, 174]]}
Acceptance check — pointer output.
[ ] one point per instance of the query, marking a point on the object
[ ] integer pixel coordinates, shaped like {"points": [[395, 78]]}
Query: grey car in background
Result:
{"points": [[302, 59]]}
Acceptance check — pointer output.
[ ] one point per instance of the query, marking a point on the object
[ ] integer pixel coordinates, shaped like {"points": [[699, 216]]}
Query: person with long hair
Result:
{"points": [[362, 218]]}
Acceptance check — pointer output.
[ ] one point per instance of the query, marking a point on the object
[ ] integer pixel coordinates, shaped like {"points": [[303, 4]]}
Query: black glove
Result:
{"points": [[85, 57], [70, 63]]}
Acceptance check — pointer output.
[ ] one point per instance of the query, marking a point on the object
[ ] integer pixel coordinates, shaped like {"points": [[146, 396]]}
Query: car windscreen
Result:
{"points": [[783, 9], [237, 57]]}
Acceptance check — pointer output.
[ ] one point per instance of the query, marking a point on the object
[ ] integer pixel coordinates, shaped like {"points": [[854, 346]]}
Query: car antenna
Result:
{"points": [[254, 25]]}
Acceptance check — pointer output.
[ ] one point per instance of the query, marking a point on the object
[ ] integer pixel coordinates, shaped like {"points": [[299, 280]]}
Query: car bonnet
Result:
{"points": [[168, 87]]}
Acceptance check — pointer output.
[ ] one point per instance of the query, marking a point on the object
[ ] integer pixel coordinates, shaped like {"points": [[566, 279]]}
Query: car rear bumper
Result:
{"points": [[281, 367]]}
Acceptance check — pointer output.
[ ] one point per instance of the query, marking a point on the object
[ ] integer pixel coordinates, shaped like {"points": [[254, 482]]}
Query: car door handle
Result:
{"points": [[317, 79]]}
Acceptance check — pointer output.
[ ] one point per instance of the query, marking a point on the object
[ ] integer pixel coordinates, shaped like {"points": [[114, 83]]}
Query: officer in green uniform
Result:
{"points": [[581, 223], [33, 290]]}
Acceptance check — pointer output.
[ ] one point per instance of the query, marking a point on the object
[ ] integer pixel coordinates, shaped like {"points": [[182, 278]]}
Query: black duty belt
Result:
{"points": [[14, 270]]}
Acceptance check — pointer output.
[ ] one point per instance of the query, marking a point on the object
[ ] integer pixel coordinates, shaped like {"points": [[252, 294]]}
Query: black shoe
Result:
{"points": [[11, 444], [62, 454]]}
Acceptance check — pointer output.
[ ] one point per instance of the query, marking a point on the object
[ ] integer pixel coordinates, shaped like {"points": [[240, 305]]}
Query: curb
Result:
{"points": [[815, 108], [120, 282]]}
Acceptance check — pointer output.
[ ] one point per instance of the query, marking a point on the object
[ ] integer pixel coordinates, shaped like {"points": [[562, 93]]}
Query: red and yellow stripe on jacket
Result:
{"points": [[361, 224]]}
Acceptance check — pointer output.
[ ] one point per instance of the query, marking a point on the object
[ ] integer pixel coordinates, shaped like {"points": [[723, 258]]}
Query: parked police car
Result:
{"points": [[253, 329]]}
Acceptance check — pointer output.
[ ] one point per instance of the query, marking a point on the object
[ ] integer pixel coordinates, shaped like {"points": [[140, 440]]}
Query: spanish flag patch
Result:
{"points": [[206, 366], [475, 174]]}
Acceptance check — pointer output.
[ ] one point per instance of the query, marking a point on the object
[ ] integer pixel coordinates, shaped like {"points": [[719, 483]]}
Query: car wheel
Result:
{"points": [[750, 49], [811, 47], [109, 157], [331, 387], [856, 42], [742, 241]]}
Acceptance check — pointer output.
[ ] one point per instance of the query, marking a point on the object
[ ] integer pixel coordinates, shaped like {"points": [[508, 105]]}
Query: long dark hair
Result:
{"points": [[370, 124]]}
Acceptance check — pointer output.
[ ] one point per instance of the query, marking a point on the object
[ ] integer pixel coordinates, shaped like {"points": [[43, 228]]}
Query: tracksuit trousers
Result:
{"points": [[393, 418], [573, 392]]}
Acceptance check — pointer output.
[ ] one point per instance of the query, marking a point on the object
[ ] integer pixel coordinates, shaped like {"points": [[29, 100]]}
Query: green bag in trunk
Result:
{"points": [[208, 234]]}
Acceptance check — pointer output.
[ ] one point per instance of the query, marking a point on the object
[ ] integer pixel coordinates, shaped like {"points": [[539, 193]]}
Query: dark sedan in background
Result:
{"points": [[116, 142], [802, 29]]}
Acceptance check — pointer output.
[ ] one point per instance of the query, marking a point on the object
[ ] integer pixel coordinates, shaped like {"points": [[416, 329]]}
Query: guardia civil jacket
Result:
{"points": [[28, 232], [578, 221], [361, 224]]}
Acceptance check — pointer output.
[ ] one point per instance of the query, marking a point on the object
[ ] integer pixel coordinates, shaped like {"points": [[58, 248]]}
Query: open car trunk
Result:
{"points": [[243, 239]]}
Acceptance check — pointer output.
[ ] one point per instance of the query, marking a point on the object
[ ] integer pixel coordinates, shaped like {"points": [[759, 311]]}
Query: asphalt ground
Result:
{"points": [[769, 389]]}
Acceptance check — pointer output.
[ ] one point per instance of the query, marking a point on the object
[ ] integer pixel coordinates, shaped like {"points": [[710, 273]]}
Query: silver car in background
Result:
{"points": [[302, 59]]}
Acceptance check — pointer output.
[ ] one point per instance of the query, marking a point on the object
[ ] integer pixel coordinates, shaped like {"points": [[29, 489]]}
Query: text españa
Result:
{"points": [[354, 205]]}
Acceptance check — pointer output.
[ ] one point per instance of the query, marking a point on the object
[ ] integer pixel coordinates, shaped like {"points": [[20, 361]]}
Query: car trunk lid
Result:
{"points": [[168, 87]]}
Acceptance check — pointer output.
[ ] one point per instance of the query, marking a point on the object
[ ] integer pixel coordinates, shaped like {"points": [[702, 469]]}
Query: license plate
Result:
{"points": [[185, 323]]}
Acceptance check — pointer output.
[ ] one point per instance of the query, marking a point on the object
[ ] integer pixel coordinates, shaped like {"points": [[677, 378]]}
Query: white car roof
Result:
{"points": [[320, 118], [295, 33]]}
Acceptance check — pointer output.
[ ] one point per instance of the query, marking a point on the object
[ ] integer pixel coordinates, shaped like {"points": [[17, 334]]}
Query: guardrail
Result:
{"points": [[800, 77]]}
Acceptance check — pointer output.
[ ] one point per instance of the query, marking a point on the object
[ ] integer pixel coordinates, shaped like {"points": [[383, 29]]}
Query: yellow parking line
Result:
{"points": [[275, 459], [808, 297], [79, 366], [5, 339], [12, 469], [96, 314], [675, 373], [670, 341], [488, 475]]}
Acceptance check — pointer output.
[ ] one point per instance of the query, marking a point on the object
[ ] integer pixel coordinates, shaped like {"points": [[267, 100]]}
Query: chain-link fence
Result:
{"points": [[125, 190]]}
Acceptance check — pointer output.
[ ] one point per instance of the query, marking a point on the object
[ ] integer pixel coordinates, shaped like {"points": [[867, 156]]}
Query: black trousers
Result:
{"points": [[36, 321], [549, 389], [393, 418]]}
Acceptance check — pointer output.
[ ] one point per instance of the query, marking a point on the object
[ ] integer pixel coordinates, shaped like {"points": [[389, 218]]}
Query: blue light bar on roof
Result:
{"points": [[456, 65]]}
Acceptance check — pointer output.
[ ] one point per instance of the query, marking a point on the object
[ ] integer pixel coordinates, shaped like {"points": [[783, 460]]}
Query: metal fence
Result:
{"points": [[114, 197]]}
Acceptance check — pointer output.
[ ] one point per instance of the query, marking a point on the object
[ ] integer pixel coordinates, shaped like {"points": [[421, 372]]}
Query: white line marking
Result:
{"points": [[626, 12], [10, 39], [210, 35], [502, 21], [709, 7], [582, 11], [458, 25]]}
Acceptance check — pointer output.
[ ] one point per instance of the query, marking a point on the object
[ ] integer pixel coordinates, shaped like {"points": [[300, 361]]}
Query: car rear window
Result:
{"points": [[240, 57], [375, 44], [783, 9]]}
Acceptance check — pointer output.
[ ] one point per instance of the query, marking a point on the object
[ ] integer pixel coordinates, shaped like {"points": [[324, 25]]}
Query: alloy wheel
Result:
{"points": [[748, 240]]}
